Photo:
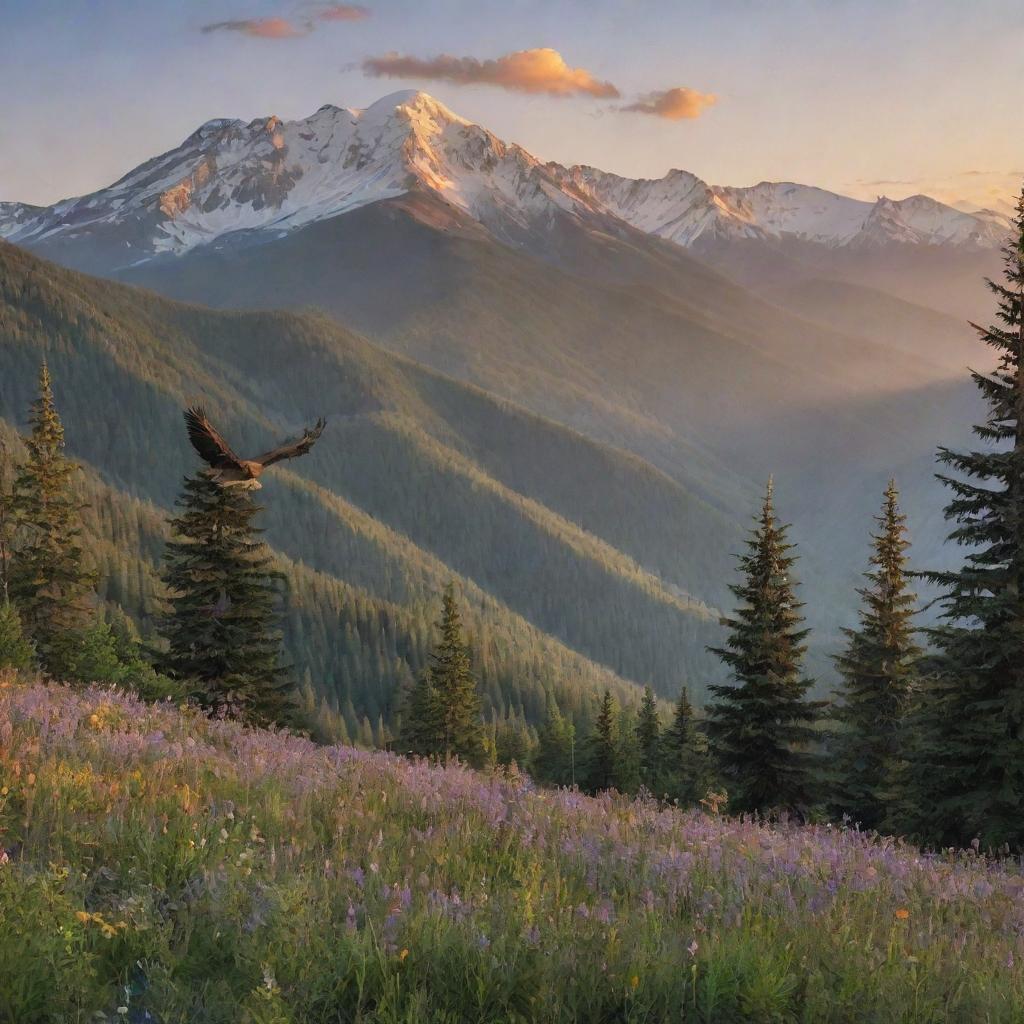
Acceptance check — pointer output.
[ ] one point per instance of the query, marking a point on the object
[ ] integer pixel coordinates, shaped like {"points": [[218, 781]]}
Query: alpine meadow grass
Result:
{"points": [[156, 866]]}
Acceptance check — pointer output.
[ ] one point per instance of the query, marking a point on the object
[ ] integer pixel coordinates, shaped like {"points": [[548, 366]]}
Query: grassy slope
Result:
{"points": [[193, 871], [591, 546]]}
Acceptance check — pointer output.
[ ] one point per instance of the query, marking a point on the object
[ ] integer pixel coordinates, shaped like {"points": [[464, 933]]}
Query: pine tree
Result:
{"points": [[16, 650], [221, 632], [49, 580], [877, 670], [602, 764], [513, 745], [553, 757], [419, 733], [762, 727], [687, 770], [95, 657], [648, 741], [456, 698], [125, 637], [966, 772]]}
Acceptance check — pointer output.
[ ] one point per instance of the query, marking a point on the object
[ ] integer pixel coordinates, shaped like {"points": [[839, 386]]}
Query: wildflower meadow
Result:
{"points": [[157, 866]]}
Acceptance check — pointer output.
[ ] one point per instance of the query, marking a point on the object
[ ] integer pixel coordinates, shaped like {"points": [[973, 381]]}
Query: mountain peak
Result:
{"points": [[411, 101]]}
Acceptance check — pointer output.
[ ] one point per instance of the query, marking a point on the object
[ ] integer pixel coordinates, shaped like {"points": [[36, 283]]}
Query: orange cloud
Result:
{"points": [[262, 28], [344, 12], [674, 104], [535, 71]]}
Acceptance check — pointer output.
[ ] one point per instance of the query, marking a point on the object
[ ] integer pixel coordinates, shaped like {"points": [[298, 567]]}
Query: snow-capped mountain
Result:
{"points": [[275, 176], [232, 180], [682, 208]]}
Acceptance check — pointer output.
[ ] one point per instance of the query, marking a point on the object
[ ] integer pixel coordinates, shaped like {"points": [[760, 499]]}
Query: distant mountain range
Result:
{"points": [[684, 209], [274, 176]]}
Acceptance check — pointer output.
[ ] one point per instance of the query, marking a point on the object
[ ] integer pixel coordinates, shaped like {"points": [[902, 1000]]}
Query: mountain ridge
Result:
{"points": [[272, 176], [684, 209]]}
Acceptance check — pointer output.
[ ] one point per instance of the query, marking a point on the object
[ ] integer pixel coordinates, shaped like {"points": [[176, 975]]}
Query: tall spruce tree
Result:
{"points": [[49, 578], [966, 772], [763, 726], [457, 704], [687, 769], [877, 667], [648, 741], [602, 756], [222, 628]]}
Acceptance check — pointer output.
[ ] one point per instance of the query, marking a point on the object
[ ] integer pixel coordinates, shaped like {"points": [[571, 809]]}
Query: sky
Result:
{"points": [[863, 97]]}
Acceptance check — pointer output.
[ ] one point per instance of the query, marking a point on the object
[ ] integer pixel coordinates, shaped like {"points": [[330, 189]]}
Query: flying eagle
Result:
{"points": [[227, 468]]}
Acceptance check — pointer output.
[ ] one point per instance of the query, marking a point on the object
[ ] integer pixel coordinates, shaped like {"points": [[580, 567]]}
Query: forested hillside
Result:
{"points": [[637, 345], [579, 564]]}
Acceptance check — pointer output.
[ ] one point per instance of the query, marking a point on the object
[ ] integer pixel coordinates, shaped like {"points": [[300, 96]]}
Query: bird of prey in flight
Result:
{"points": [[227, 468]]}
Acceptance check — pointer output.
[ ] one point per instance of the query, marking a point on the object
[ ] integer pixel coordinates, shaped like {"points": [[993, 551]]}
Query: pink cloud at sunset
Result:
{"points": [[542, 70], [677, 104]]}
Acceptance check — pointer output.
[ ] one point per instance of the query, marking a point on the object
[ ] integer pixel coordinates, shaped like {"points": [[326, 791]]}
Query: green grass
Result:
{"points": [[161, 867]]}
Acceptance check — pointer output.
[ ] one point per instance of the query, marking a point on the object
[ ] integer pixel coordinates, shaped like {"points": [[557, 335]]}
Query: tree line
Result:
{"points": [[924, 736]]}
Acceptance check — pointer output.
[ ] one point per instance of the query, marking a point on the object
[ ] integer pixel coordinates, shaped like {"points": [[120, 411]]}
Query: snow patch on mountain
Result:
{"points": [[14, 216], [921, 220]]}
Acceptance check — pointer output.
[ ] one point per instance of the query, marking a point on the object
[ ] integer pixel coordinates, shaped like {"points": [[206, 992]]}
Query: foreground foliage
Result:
{"points": [[159, 866]]}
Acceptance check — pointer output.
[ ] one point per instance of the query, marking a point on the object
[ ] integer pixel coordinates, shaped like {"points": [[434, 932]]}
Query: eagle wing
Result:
{"points": [[207, 440], [293, 449]]}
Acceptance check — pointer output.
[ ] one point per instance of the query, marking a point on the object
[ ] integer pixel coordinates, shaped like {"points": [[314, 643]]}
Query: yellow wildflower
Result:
{"points": [[403, 954], [902, 914]]}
